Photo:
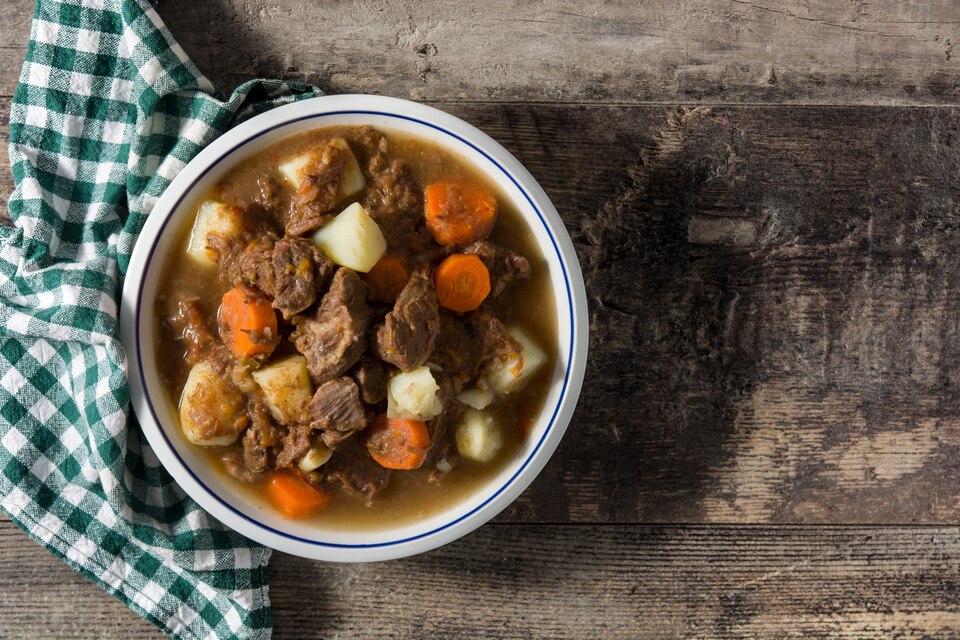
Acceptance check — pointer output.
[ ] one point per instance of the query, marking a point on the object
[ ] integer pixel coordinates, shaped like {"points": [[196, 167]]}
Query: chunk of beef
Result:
{"points": [[319, 190], [370, 148], [233, 464], [458, 350], [336, 410], [247, 262], [504, 265], [268, 199], [443, 451], [334, 339], [496, 343], [352, 467], [409, 332], [190, 325], [371, 379], [295, 445], [395, 201], [443, 458], [259, 437], [300, 270]]}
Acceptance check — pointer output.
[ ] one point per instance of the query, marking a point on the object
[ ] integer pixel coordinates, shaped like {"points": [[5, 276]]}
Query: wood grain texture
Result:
{"points": [[716, 51], [774, 336], [535, 581], [889, 51]]}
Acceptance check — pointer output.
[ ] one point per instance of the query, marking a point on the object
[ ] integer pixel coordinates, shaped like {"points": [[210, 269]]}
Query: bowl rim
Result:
{"points": [[182, 188]]}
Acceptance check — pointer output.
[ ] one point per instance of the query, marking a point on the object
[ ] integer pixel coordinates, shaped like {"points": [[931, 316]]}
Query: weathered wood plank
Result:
{"points": [[566, 582], [15, 17], [797, 366], [773, 297], [717, 51], [702, 50]]}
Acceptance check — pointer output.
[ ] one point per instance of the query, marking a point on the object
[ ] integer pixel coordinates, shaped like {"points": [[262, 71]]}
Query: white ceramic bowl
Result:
{"points": [[188, 466]]}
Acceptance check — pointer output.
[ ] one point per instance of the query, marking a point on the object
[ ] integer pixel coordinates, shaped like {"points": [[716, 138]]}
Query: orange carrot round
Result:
{"points": [[459, 212], [387, 278], [462, 282], [244, 312], [294, 496], [397, 443]]}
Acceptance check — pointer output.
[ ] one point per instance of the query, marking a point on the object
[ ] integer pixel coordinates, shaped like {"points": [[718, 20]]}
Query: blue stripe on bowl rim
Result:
{"points": [[566, 377]]}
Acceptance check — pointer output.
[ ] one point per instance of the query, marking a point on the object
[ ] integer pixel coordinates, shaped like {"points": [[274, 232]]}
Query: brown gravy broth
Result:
{"points": [[528, 304]]}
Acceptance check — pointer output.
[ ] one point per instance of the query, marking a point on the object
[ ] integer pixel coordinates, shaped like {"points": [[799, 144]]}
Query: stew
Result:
{"points": [[357, 327]]}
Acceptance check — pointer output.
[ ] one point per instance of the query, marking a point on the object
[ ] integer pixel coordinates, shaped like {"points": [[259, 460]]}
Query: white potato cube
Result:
{"points": [[286, 387], [352, 239], [478, 436], [352, 180], [478, 397], [413, 395], [315, 458], [210, 408], [514, 374], [212, 217]]}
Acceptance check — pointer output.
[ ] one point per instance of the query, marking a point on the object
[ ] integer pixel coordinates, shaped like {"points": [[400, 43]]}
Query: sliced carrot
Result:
{"points": [[462, 282], [397, 443], [294, 496], [459, 212], [250, 320], [387, 278]]}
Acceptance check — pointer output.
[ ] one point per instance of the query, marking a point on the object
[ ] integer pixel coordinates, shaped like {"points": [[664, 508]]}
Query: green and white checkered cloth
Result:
{"points": [[107, 111]]}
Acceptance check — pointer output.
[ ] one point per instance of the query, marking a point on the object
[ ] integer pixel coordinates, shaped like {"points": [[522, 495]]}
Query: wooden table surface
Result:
{"points": [[765, 198]]}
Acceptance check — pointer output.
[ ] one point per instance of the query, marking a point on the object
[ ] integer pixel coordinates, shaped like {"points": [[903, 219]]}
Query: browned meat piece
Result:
{"points": [[335, 337], [457, 352], [336, 410], [443, 450], [333, 439], [358, 473], [395, 201], [504, 265], [247, 263], [300, 270], [259, 437], [290, 271], [443, 458], [234, 465], [190, 326], [452, 412], [370, 148], [319, 190], [372, 380], [497, 345], [295, 445], [267, 198], [409, 332]]}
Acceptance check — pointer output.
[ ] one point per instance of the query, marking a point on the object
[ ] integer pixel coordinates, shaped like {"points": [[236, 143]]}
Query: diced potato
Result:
{"points": [[210, 408], [292, 170], [286, 387], [212, 217], [352, 239], [478, 436], [478, 397], [413, 395], [316, 457], [353, 180], [514, 374]]}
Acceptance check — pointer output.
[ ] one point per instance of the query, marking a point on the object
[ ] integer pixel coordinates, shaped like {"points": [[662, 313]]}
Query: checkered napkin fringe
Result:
{"points": [[107, 111]]}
